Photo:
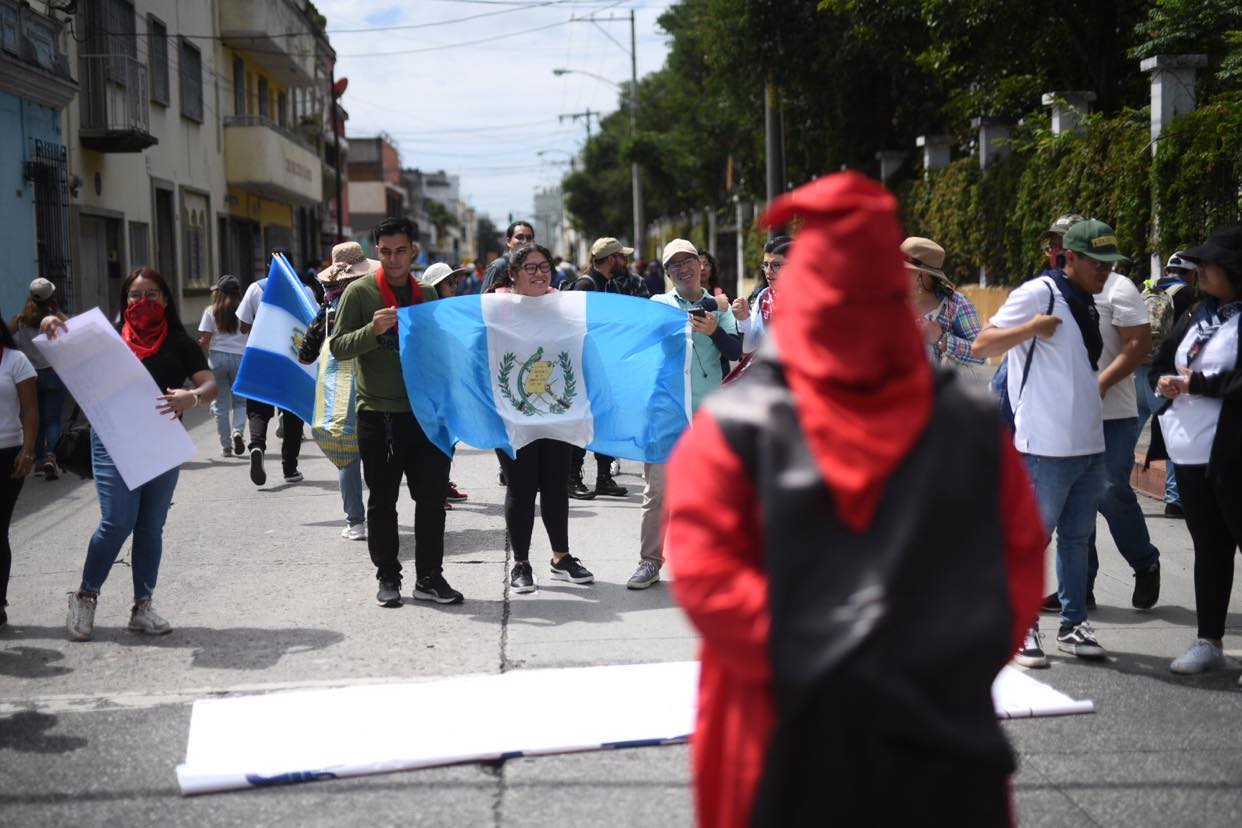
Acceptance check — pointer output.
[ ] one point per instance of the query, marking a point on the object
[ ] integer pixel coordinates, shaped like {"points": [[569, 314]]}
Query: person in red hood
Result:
{"points": [[806, 531]]}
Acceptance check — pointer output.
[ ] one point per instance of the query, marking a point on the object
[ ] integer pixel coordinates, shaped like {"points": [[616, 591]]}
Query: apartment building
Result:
{"points": [[375, 186]]}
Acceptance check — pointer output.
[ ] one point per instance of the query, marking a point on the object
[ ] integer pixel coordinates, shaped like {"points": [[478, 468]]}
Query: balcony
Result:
{"points": [[260, 29], [267, 160], [116, 109], [31, 63]]}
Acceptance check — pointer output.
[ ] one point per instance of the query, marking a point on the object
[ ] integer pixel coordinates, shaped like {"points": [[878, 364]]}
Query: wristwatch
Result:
{"points": [[198, 396]]}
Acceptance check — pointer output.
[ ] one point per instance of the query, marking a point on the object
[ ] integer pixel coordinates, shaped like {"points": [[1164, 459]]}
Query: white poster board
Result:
{"points": [[118, 396], [306, 735]]}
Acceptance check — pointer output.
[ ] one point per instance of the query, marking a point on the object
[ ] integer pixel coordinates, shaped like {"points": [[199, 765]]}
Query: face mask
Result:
{"points": [[145, 313]]}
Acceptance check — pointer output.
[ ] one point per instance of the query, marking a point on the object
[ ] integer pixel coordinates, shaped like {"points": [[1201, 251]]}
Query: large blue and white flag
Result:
{"points": [[606, 372], [270, 371]]}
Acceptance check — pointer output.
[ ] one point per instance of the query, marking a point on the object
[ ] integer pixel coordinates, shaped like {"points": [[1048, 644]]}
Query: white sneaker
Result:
{"points": [[355, 531], [145, 619], [1202, 656], [81, 620], [1032, 652]]}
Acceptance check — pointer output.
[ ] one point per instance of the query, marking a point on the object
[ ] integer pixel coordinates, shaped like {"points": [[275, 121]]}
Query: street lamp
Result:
{"points": [[541, 153], [636, 184]]}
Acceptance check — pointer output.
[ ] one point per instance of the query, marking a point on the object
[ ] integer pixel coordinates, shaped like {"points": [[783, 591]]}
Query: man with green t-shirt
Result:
{"points": [[390, 440]]}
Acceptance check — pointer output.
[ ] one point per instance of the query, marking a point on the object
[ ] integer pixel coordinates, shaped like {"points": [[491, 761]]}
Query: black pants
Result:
{"points": [[541, 466], [1214, 518], [9, 490], [603, 463], [392, 445], [257, 415]]}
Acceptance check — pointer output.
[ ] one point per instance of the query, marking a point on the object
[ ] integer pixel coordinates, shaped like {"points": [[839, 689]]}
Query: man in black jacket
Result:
{"points": [[516, 234]]}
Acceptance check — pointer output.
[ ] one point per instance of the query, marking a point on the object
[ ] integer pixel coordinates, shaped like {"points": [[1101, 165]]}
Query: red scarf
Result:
{"points": [[390, 298], [766, 303], [145, 328], [851, 351]]}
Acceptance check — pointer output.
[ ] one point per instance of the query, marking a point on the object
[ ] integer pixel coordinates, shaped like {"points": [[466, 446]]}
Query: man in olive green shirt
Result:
{"points": [[390, 440]]}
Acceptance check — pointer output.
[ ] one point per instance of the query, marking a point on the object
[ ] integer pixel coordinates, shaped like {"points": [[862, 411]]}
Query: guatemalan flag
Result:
{"points": [[270, 371], [605, 372]]}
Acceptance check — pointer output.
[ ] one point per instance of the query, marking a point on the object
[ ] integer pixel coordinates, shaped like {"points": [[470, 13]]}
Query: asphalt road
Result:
{"points": [[264, 595]]}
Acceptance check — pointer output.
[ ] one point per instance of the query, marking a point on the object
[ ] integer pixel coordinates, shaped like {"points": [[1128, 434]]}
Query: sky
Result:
{"points": [[484, 110]]}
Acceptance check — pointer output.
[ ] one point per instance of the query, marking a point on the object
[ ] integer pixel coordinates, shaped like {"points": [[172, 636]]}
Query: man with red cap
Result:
{"points": [[807, 535]]}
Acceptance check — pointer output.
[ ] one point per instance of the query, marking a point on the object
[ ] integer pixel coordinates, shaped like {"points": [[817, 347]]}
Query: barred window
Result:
{"points": [[190, 71], [157, 59]]}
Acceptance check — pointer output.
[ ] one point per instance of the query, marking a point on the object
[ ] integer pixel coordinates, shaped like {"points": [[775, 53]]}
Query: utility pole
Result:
{"points": [[774, 143], [636, 183], [588, 114], [336, 145]]}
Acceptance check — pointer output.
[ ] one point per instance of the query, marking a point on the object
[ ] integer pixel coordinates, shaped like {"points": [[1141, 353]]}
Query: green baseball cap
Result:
{"points": [[1093, 239]]}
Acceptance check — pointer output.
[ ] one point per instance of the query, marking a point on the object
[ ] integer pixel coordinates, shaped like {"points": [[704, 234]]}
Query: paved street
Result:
{"points": [[264, 595]]}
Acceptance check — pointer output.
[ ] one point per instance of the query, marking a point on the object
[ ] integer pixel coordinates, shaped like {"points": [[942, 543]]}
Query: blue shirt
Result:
{"points": [[705, 376]]}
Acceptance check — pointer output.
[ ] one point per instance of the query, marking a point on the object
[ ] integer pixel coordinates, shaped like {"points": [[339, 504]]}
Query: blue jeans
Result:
{"points": [[1118, 503], [1068, 491], [51, 395], [350, 479], [140, 512], [224, 365], [1149, 403]]}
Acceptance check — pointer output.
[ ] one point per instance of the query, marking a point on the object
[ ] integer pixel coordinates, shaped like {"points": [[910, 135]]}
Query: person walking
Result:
{"points": [[807, 536], [152, 329], [51, 391], [539, 467], [19, 428], [714, 333], [947, 320], [1199, 370], [390, 441], [219, 334]]}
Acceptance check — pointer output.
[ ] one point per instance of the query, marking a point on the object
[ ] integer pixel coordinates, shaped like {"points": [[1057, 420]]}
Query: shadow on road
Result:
{"points": [[28, 733], [1157, 669], [31, 662]]}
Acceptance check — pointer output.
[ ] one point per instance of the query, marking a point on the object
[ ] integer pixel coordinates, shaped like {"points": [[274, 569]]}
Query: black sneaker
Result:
{"points": [[389, 594], [435, 588], [257, 476], [1174, 510], [578, 490], [1146, 587], [522, 580], [1053, 604], [1032, 652], [571, 569], [1079, 640], [239, 447], [605, 485]]}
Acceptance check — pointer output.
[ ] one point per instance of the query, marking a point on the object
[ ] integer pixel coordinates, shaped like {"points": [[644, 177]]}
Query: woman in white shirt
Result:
{"points": [[1199, 372], [19, 423], [221, 337]]}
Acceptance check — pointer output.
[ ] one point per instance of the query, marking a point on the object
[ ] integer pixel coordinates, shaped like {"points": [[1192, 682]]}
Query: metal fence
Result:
{"points": [[260, 121], [114, 94], [47, 168]]}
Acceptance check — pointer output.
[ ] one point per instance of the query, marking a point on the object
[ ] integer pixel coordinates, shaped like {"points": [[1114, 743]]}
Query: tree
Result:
{"points": [[489, 238]]}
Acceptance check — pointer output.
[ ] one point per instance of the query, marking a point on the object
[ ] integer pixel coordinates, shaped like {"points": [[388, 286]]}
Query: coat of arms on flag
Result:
{"points": [[542, 386]]}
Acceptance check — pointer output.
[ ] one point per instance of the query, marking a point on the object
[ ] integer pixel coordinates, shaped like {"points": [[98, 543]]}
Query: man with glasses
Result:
{"points": [[609, 274], [516, 234], [1051, 330], [714, 334], [754, 316]]}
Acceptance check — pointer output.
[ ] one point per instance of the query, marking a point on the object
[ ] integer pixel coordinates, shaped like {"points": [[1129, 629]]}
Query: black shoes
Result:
{"points": [[578, 489], [605, 485], [1053, 604], [257, 476], [389, 594], [1146, 587], [521, 579], [435, 588], [571, 569], [1174, 510]]}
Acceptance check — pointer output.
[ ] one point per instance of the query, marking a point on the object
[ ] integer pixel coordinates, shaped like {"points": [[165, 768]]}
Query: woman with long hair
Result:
{"points": [[151, 327], [219, 334], [19, 423], [947, 320], [51, 391]]}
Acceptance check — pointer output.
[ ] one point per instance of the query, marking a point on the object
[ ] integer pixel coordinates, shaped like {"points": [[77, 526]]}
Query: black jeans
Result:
{"points": [[257, 415], [603, 463], [541, 466], [392, 445], [1214, 518], [9, 490]]}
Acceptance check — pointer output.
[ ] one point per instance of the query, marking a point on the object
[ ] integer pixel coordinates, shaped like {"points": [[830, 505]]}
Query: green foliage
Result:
{"points": [[1196, 173], [1211, 27]]}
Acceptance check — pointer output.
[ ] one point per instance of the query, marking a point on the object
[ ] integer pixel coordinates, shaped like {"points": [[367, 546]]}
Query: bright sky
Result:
{"points": [[483, 110]]}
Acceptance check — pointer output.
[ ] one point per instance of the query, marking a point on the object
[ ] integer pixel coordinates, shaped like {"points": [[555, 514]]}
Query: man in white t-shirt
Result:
{"points": [[1050, 328], [1126, 332]]}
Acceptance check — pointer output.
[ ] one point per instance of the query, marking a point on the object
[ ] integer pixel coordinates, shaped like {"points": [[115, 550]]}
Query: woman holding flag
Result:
{"points": [[542, 466]]}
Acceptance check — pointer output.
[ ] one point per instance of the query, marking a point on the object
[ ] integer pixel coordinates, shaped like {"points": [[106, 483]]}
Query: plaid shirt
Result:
{"points": [[961, 325]]}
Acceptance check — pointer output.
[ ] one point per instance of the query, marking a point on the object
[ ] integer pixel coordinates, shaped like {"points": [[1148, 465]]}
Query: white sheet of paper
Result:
{"points": [[304, 735], [118, 396]]}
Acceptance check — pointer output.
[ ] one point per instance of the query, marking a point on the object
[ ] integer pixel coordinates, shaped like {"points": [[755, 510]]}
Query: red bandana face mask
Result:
{"points": [[146, 327]]}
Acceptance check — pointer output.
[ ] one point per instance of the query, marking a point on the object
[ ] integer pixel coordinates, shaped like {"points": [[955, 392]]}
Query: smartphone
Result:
{"points": [[699, 312]]}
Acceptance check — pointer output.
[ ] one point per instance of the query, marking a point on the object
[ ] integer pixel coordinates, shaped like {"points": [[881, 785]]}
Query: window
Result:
{"points": [[139, 244], [239, 87], [191, 72], [157, 59], [195, 217], [262, 97], [282, 109]]}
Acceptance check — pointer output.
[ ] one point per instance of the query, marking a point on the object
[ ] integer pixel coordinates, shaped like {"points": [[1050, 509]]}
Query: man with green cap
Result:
{"points": [[1050, 328]]}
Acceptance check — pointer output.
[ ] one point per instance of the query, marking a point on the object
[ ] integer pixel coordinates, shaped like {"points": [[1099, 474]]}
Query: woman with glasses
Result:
{"points": [[152, 329], [753, 318], [541, 467], [947, 320]]}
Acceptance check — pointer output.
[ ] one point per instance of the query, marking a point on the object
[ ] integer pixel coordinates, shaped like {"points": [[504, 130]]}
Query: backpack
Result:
{"points": [[1159, 304], [1000, 380]]}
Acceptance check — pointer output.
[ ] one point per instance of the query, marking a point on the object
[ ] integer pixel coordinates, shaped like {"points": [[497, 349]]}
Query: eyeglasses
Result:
{"points": [[773, 266], [522, 237], [135, 295], [683, 265], [530, 268]]}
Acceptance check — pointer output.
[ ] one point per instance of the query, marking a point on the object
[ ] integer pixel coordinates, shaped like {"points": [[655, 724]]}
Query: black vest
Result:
{"points": [[884, 644]]}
